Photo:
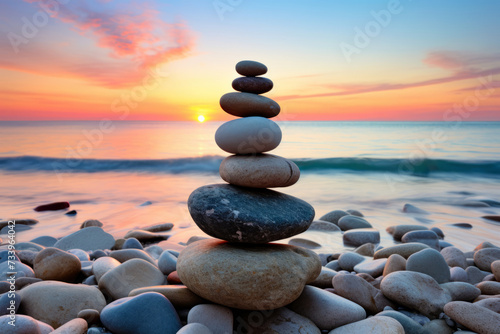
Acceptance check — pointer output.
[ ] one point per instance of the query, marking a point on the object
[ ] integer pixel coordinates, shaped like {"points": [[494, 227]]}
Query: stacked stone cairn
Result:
{"points": [[241, 268]]}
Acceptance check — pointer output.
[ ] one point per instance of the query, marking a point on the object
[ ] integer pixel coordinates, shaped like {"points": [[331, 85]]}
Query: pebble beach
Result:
{"points": [[252, 248]]}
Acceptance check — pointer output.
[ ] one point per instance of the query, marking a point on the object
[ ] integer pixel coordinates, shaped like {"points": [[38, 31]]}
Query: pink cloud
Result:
{"points": [[445, 59]]}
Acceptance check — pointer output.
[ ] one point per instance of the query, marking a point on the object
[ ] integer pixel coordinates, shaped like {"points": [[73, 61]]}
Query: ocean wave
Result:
{"points": [[210, 164]]}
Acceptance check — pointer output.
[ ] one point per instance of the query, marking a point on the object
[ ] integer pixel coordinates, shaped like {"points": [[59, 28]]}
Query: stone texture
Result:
{"points": [[483, 258], [495, 269], [454, 257], [91, 222], [325, 309], [145, 236], [361, 292], [397, 231], [461, 291], [489, 288], [366, 249], [395, 262], [273, 275], [91, 317], [437, 326], [348, 260], [374, 268], [353, 222], [217, 318], [21, 269], [373, 325], [88, 239], [475, 275], [45, 240], [159, 227], [195, 328], [167, 262], [306, 243], [248, 215], [429, 238], [52, 206], [415, 290], [75, 326], [149, 313], [334, 216], [405, 250], [324, 226], [490, 303], [132, 243], [23, 325], [123, 255], [102, 265], [179, 295], [250, 68], [474, 317], [55, 264], [457, 274], [136, 273], [324, 280], [259, 171], [361, 236], [431, 262], [247, 104], [248, 135], [56, 303], [410, 326], [252, 85]]}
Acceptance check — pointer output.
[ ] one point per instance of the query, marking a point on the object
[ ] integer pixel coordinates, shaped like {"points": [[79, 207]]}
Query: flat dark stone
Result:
{"points": [[252, 85], [248, 215], [71, 213], [494, 218], [463, 225], [52, 206]]}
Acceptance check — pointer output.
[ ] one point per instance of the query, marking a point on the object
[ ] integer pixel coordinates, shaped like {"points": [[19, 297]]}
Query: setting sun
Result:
{"points": [[201, 118]]}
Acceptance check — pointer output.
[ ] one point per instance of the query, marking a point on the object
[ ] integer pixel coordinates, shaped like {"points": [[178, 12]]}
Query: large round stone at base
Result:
{"points": [[249, 277], [248, 215]]}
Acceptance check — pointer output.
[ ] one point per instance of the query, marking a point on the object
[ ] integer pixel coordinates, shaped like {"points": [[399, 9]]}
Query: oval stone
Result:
{"points": [[252, 85], [259, 171], [250, 68], [249, 135], [248, 215], [250, 277], [55, 264]]}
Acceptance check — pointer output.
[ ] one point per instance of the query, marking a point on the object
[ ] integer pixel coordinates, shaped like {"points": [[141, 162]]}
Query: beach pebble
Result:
{"points": [[132, 274], [21, 282], [75, 326], [281, 320], [373, 325], [4, 256], [259, 171], [461, 291], [55, 264], [397, 231], [410, 326], [15, 229], [102, 265], [144, 236], [87, 239], [28, 246], [124, 255], [248, 215], [325, 309], [430, 262], [27, 257], [9, 302], [485, 244], [56, 303], [247, 104], [248, 135], [495, 269], [354, 212], [458, 274], [474, 317], [415, 290], [23, 325], [132, 243], [429, 238], [353, 222], [179, 295], [490, 303], [475, 275], [454, 257], [361, 236], [373, 268], [91, 222], [483, 258], [405, 250], [367, 249], [159, 227], [155, 251], [252, 85], [149, 313], [324, 279], [92, 317], [80, 254], [306, 243], [52, 206], [395, 262], [219, 319], [195, 328], [409, 208], [348, 260], [489, 288], [71, 213], [463, 225], [366, 295], [273, 274], [173, 278], [167, 262], [333, 265], [118, 244], [250, 68], [438, 231], [21, 269], [323, 226], [334, 216]]}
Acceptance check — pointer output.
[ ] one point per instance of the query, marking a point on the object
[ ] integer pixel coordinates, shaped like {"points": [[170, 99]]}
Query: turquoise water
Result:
{"points": [[106, 171]]}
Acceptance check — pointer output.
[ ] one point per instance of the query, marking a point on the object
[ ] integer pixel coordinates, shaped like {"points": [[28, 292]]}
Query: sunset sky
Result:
{"points": [[172, 60]]}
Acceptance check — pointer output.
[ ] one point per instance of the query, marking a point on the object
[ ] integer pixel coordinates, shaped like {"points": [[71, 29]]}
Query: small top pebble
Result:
{"points": [[250, 68]]}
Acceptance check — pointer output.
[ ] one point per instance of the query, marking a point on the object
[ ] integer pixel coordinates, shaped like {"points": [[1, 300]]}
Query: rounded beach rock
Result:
{"points": [[415, 290], [252, 85], [405, 250], [483, 258], [250, 68], [397, 231], [394, 263], [219, 319], [179, 295], [247, 104], [149, 313], [373, 325], [495, 269], [56, 303], [248, 215], [259, 171], [279, 321], [353, 222], [429, 238], [87, 239], [102, 265], [130, 275], [195, 328], [75, 326], [334, 216], [431, 262], [361, 236], [476, 318], [23, 325], [55, 264], [273, 275], [325, 309], [454, 257]]}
